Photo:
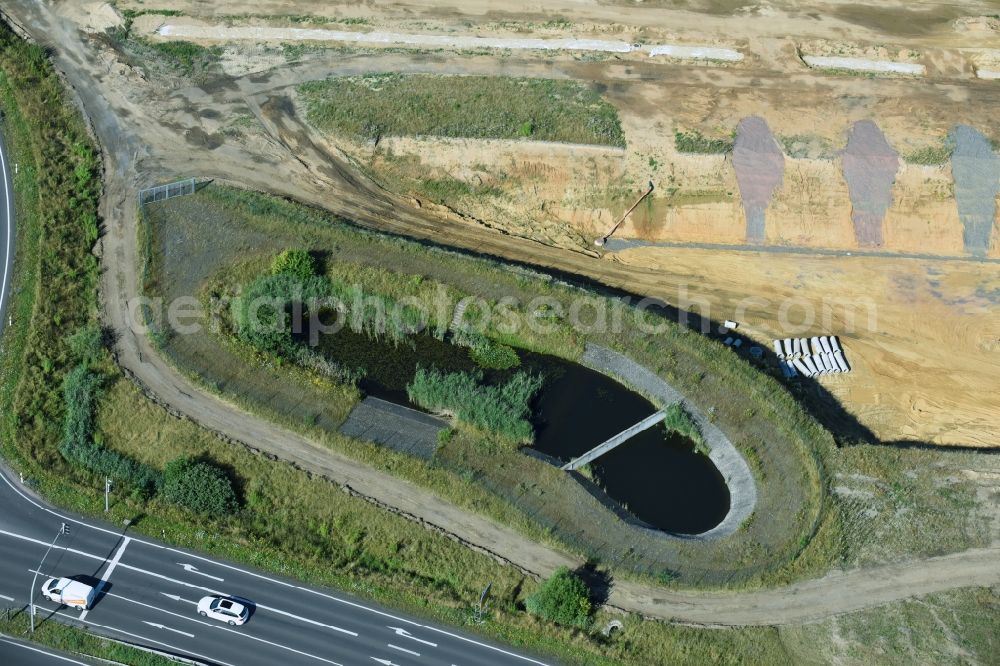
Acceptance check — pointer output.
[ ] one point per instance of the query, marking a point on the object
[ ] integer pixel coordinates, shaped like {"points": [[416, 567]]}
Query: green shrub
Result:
{"points": [[486, 352], [297, 263], [678, 420], [78, 446], [502, 409], [563, 599], [931, 155], [86, 343], [695, 142], [199, 487], [261, 314]]}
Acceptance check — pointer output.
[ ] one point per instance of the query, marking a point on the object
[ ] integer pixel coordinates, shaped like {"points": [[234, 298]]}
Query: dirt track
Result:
{"points": [[293, 173]]}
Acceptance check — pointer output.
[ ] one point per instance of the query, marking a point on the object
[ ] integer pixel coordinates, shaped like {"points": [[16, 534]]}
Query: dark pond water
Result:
{"points": [[660, 479]]}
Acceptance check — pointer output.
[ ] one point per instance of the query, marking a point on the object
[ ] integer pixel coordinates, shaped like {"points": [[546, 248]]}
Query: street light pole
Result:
{"points": [[107, 490], [63, 529]]}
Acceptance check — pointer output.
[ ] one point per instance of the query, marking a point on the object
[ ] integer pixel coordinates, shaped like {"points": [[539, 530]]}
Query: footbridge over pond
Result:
{"points": [[615, 441]]}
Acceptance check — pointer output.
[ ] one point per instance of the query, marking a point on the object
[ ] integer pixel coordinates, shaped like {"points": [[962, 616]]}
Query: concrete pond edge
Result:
{"points": [[722, 452]]}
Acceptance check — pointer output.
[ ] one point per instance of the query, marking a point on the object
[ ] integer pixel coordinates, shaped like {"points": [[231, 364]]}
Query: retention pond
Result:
{"points": [[657, 477]]}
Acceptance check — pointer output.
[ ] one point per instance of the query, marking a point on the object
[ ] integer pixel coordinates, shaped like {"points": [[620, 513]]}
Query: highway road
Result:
{"points": [[6, 231], [149, 591], [22, 653]]}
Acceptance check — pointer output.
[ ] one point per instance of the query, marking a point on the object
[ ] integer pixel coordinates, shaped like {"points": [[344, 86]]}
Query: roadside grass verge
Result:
{"points": [[478, 107], [72, 639]]}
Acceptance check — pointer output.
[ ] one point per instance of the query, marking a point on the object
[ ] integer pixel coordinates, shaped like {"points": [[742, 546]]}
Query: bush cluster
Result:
{"points": [[695, 142], [486, 352], [78, 446], [679, 420], [199, 487], [504, 409], [563, 599], [296, 263]]}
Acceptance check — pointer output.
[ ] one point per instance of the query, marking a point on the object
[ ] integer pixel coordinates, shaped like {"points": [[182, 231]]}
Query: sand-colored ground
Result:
{"points": [[925, 371]]}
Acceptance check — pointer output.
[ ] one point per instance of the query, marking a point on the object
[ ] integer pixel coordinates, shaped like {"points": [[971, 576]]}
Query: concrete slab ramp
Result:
{"points": [[869, 165], [760, 170], [976, 171]]}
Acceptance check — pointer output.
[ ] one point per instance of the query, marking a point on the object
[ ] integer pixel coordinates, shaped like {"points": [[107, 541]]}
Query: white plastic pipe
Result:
{"points": [[835, 344], [787, 343], [801, 368], [825, 342], [841, 362], [788, 369], [778, 349], [814, 345], [808, 361]]}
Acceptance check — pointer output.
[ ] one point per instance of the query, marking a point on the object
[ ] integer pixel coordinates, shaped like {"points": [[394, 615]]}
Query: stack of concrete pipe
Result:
{"points": [[811, 356]]}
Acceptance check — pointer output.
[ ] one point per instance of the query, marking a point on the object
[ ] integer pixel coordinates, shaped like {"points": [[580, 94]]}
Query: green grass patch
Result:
{"points": [[478, 107], [504, 409], [678, 419], [695, 142], [931, 155]]}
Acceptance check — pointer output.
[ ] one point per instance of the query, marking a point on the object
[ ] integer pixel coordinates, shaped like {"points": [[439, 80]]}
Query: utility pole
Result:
{"points": [[107, 491], [63, 529]]}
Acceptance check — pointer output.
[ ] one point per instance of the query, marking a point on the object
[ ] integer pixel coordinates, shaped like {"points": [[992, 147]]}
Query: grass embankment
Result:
{"points": [[477, 107], [77, 641], [755, 412]]}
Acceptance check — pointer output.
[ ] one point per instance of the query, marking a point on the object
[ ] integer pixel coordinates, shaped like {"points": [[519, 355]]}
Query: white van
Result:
{"points": [[69, 592]]}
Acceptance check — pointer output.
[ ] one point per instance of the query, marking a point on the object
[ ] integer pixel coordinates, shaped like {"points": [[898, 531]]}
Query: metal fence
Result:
{"points": [[163, 192]]}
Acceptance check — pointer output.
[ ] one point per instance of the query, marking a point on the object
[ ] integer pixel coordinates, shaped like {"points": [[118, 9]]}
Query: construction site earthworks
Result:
{"points": [[810, 192], [851, 198]]}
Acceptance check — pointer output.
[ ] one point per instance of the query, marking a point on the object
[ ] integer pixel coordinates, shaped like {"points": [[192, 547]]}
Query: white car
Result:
{"points": [[223, 610]]}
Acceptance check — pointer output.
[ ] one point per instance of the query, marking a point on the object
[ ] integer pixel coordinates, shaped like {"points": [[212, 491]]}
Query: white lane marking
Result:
{"points": [[176, 597], [190, 568], [107, 573], [405, 634], [222, 628], [34, 649], [356, 605], [212, 660], [267, 578], [384, 662], [4, 596], [10, 227], [162, 626], [396, 647], [485, 645]]}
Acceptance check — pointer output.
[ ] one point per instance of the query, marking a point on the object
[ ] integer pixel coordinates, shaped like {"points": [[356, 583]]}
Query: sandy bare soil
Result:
{"points": [[934, 316]]}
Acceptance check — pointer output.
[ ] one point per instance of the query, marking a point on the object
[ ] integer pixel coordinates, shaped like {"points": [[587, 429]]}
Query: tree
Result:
{"points": [[297, 263], [563, 599], [198, 486]]}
